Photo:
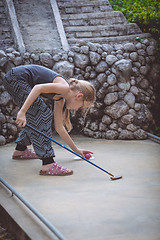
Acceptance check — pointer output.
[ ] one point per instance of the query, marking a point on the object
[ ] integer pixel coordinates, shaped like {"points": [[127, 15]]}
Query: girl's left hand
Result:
{"points": [[21, 118]]}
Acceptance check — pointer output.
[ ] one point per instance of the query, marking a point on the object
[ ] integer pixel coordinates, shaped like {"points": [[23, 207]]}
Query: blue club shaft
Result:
{"points": [[63, 146]]}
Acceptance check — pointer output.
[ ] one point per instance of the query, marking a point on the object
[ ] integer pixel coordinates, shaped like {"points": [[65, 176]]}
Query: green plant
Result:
{"points": [[145, 13]]}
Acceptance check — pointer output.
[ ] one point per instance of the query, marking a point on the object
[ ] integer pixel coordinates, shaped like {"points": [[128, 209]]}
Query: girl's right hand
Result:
{"points": [[83, 152], [21, 119]]}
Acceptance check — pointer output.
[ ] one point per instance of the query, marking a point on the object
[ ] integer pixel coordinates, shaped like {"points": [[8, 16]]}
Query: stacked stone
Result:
{"points": [[125, 78], [125, 81]]}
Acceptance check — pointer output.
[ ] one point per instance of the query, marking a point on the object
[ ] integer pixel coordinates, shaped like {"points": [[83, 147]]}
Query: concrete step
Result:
{"points": [[102, 30], [95, 21], [74, 7], [37, 25], [90, 19], [77, 3], [109, 40]]}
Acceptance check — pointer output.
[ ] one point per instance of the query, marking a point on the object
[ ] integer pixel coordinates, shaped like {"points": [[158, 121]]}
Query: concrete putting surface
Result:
{"points": [[88, 205]]}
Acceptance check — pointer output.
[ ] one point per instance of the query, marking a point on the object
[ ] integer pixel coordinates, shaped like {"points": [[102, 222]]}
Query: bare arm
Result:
{"points": [[59, 86], [58, 122]]}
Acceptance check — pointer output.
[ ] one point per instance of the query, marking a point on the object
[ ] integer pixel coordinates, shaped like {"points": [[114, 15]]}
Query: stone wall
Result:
{"points": [[125, 77]]}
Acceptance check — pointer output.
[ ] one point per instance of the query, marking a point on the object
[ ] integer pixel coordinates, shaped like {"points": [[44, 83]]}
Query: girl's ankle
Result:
{"points": [[46, 167]]}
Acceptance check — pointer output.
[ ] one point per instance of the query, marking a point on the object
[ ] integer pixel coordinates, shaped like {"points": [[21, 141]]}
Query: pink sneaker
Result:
{"points": [[56, 170], [26, 154]]}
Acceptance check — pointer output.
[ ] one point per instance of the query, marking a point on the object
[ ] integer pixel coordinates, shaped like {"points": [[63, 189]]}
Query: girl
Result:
{"points": [[25, 84]]}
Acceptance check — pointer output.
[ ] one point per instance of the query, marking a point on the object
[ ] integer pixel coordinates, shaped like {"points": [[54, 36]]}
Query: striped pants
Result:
{"points": [[39, 115]]}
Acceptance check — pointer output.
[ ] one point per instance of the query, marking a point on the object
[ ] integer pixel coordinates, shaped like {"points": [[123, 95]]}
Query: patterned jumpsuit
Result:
{"points": [[19, 82]]}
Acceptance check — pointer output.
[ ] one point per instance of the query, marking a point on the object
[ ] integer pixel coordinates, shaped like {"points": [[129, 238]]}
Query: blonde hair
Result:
{"points": [[89, 95]]}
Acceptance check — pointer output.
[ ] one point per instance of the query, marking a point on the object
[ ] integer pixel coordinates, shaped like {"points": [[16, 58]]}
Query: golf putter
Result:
{"points": [[68, 149]]}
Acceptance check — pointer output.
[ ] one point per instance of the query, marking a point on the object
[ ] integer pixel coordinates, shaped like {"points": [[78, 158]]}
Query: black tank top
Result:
{"points": [[36, 74]]}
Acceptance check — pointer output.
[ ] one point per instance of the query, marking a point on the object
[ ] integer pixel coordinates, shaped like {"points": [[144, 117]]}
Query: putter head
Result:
{"points": [[116, 177]]}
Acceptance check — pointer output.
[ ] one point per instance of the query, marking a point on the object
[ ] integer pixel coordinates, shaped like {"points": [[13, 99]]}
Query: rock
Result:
{"points": [[140, 134], [111, 134], [2, 140], [113, 88], [94, 58], [110, 59], [93, 74], [143, 116], [142, 60], [35, 57], [5, 97], [2, 118], [150, 50], [146, 42], [46, 60], [92, 46], [114, 126], [84, 49], [144, 70], [129, 47], [132, 112], [127, 119], [11, 129], [141, 52], [125, 134], [139, 45], [102, 127], [110, 98], [81, 61], [130, 99], [118, 47], [134, 90], [26, 55], [133, 56], [3, 61], [11, 56], [2, 54], [111, 79], [101, 78], [96, 134], [123, 69], [117, 110], [135, 71], [94, 126], [137, 65], [101, 67], [107, 48], [18, 60], [16, 53], [106, 120], [137, 106], [131, 127], [64, 68]]}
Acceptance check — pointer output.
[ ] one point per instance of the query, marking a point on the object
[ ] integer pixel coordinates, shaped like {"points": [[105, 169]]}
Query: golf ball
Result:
{"points": [[87, 155]]}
